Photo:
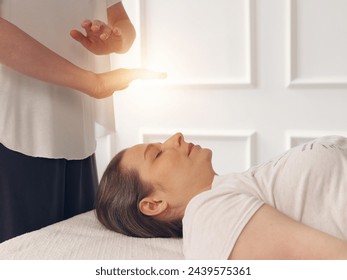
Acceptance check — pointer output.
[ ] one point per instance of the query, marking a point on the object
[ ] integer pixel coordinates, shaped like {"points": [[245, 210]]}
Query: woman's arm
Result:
{"points": [[26, 55], [122, 26], [272, 235]]}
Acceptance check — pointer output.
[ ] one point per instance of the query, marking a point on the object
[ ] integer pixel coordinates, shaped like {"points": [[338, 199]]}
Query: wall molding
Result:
{"points": [[249, 81], [293, 79]]}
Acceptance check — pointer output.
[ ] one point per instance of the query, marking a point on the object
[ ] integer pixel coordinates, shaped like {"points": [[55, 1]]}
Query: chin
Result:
{"points": [[208, 153]]}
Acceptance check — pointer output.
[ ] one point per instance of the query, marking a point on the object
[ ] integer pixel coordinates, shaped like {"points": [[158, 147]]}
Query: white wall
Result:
{"points": [[248, 78]]}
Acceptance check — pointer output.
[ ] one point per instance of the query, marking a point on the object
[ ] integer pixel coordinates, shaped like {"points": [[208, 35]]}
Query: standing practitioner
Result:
{"points": [[49, 86]]}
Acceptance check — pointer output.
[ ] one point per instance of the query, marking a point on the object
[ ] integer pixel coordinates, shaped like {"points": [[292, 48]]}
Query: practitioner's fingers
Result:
{"points": [[145, 74]]}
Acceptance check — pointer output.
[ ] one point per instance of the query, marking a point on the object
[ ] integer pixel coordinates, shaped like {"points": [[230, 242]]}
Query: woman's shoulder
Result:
{"points": [[214, 219]]}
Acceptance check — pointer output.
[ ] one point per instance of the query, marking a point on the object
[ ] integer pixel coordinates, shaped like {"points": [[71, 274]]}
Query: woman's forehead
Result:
{"points": [[138, 149], [134, 155]]}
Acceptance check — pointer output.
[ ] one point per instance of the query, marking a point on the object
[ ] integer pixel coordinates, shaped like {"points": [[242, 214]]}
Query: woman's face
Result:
{"points": [[178, 170]]}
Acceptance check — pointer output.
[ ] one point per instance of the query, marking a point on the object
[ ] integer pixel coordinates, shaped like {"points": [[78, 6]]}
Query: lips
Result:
{"points": [[190, 148]]}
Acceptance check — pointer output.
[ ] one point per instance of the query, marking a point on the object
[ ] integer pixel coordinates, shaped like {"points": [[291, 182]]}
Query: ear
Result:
{"points": [[152, 207]]}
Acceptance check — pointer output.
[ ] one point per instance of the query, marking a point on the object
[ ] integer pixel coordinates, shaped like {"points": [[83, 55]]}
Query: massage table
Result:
{"points": [[82, 237]]}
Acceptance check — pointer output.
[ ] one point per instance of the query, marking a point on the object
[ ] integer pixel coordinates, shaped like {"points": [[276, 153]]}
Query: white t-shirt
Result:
{"points": [[40, 119], [308, 183]]}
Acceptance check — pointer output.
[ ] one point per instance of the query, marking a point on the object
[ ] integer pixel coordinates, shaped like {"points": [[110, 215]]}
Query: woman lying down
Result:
{"points": [[292, 207]]}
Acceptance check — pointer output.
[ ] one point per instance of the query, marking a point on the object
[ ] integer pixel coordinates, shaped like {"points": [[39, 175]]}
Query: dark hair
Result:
{"points": [[118, 196]]}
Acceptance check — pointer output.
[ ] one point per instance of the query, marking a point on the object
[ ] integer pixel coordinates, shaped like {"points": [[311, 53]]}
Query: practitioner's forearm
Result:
{"points": [[24, 54], [118, 19]]}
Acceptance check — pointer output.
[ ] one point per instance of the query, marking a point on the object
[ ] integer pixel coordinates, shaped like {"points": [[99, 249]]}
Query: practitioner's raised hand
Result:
{"points": [[100, 38], [115, 36]]}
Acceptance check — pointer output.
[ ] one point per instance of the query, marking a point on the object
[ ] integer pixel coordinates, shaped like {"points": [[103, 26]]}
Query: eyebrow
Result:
{"points": [[149, 146]]}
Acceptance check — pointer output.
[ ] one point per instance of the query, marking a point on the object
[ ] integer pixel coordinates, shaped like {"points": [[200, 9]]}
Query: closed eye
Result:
{"points": [[158, 154]]}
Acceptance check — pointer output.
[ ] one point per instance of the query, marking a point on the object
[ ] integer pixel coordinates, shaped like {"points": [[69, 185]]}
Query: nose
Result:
{"points": [[175, 141]]}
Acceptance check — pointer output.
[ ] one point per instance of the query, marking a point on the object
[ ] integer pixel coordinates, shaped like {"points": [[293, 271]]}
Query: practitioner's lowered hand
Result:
{"points": [[105, 84]]}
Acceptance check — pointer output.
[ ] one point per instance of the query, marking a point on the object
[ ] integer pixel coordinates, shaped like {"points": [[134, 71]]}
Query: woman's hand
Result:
{"points": [[105, 84], [115, 36], [100, 38]]}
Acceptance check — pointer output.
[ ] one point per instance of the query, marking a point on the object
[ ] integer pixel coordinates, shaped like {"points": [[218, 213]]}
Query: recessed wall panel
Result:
{"points": [[318, 43], [210, 46]]}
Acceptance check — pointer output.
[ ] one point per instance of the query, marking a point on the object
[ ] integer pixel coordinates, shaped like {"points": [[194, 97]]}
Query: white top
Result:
{"points": [[40, 119], [307, 183]]}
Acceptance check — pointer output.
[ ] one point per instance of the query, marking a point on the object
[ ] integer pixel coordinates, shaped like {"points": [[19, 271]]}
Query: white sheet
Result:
{"points": [[83, 237]]}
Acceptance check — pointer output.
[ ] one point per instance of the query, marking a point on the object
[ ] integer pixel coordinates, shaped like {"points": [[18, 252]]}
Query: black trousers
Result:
{"points": [[36, 192]]}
